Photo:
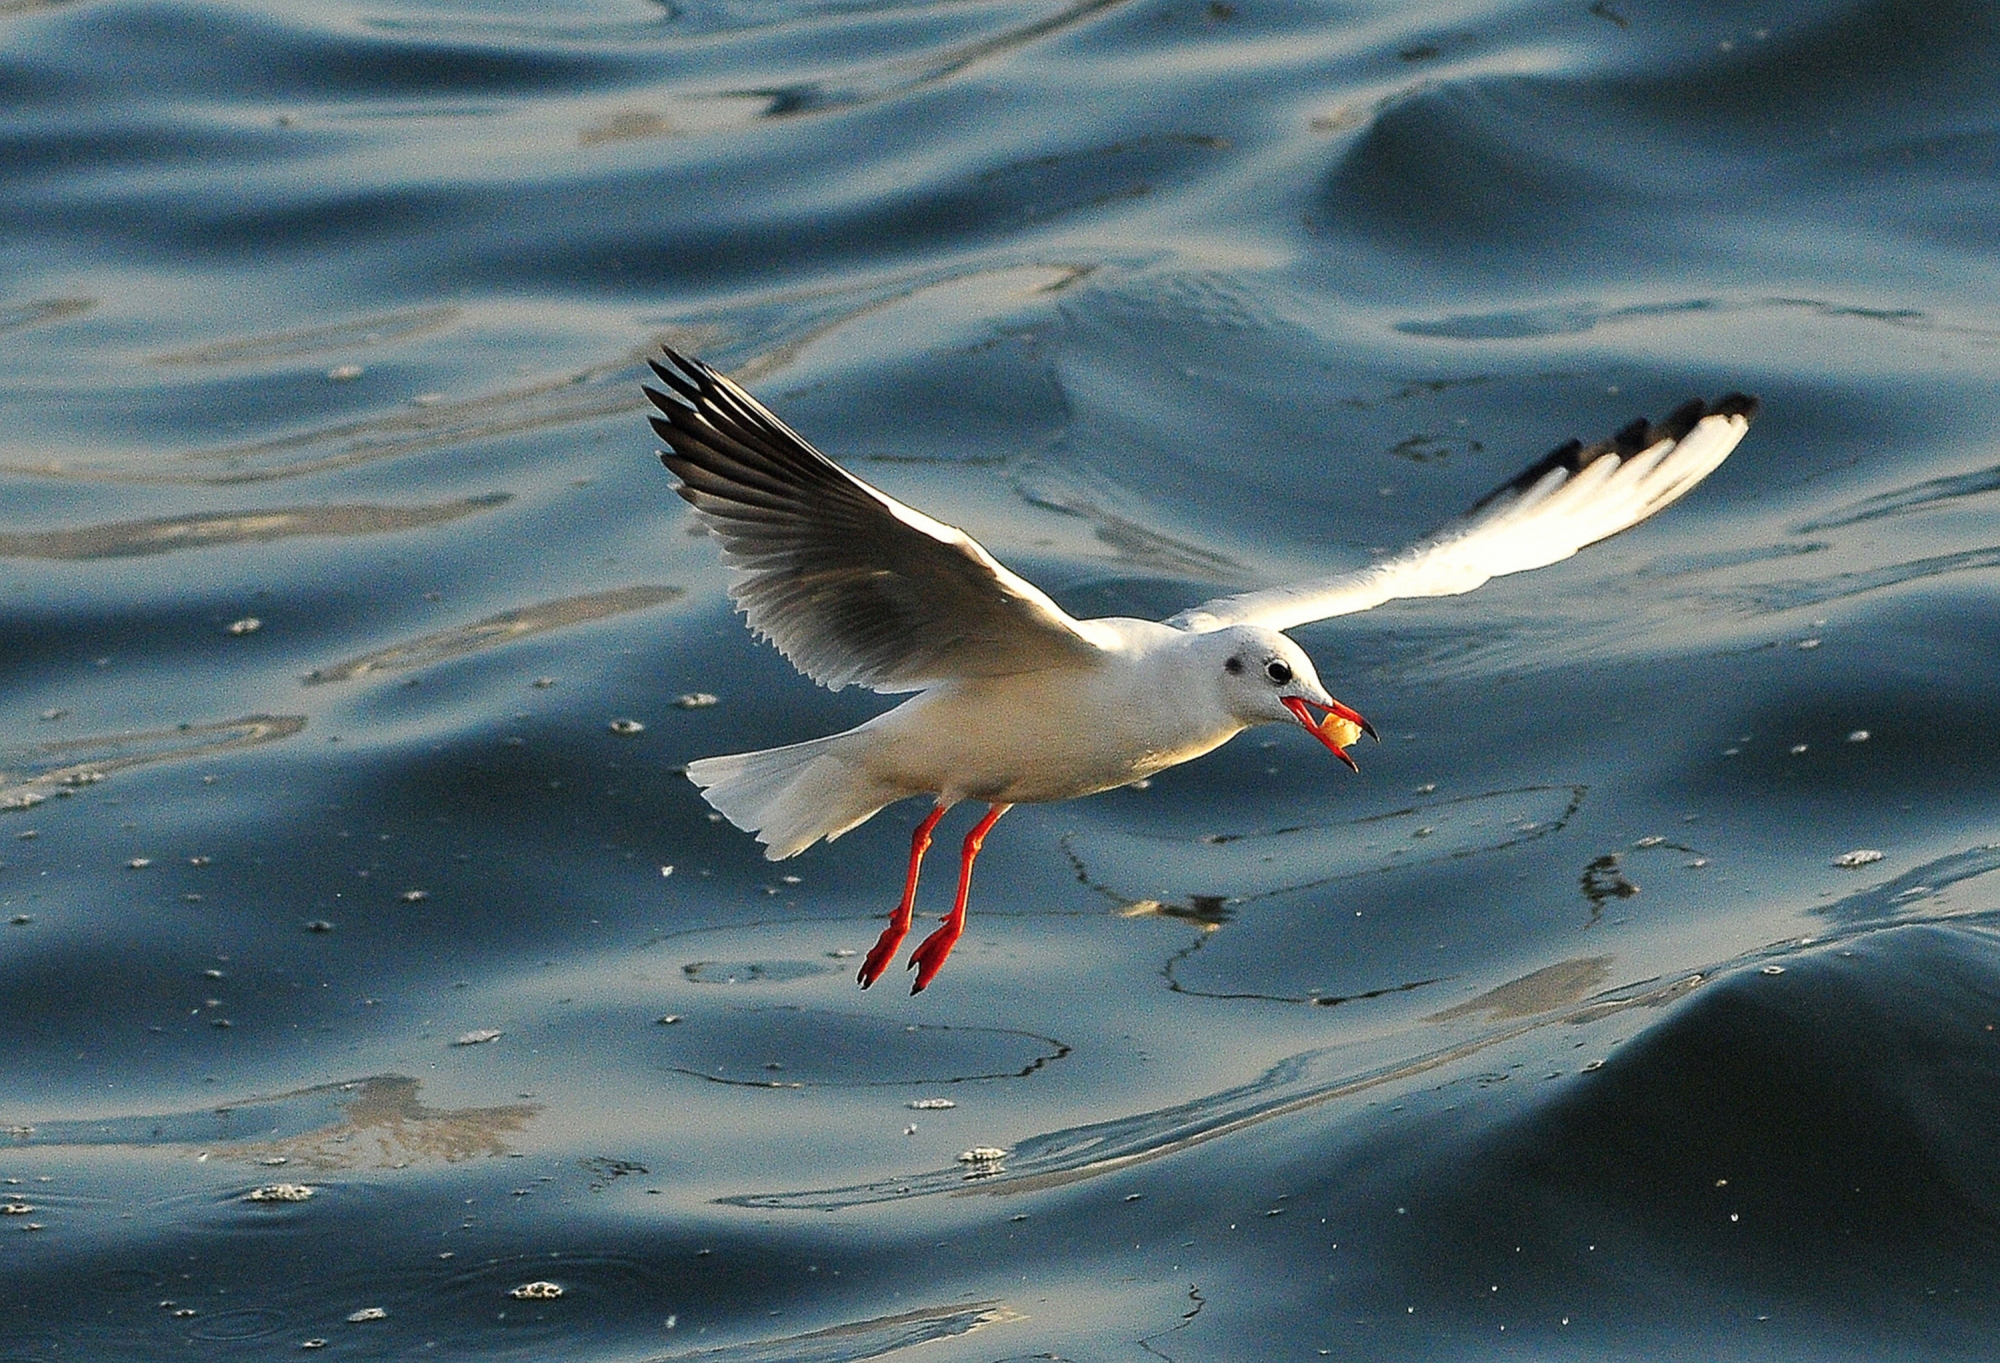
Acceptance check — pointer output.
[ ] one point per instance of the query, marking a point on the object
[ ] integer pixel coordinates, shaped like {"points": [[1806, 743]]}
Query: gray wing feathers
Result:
{"points": [[851, 585]]}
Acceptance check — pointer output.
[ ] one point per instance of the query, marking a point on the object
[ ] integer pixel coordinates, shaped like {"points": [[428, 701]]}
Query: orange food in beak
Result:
{"points": [[1340, 727]]}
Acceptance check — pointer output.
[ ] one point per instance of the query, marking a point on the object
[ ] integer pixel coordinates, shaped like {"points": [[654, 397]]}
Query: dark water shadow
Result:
{"points": [[1794, 1163]]}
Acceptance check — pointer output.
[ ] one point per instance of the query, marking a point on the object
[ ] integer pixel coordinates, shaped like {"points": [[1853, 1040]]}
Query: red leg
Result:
{"points": [[892, 936], [928, 958]]}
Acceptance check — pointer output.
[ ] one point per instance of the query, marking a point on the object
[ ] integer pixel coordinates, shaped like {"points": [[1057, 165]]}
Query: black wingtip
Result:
{"points": [[1738, 404], [686, 366], [1679, 422], [685, 379], [1574, 456]]}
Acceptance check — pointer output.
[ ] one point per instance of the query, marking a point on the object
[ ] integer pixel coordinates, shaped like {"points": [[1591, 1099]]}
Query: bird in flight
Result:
{"points": [[1018, 701]]}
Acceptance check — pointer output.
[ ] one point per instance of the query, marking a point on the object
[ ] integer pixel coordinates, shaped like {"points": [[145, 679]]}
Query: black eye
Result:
{"points": [[1233, 667], [1278, 670]]}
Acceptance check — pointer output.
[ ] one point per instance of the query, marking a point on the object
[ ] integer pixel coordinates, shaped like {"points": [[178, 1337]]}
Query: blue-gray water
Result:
{"points": [[331, 317]]}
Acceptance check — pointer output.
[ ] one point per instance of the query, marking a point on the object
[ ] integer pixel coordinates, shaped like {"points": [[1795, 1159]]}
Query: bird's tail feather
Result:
{"points": [[790, 797]]}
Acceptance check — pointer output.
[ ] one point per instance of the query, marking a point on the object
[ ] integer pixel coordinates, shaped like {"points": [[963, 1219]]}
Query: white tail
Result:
{"points": [[790, 797]]}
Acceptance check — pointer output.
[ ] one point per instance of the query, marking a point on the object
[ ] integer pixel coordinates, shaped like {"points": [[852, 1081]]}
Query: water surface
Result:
{"points": [[332, 545]]}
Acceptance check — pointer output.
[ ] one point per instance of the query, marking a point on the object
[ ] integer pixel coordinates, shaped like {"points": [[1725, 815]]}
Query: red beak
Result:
{"points": [[1329, 729]]}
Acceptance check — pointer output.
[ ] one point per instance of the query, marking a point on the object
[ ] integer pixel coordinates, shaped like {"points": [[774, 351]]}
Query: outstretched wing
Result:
{"points": [[850, 584], [1576, 495]]}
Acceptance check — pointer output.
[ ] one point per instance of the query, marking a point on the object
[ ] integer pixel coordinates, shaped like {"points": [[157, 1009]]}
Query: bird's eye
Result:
{"points": [[1233, 667], [1278, 670]]}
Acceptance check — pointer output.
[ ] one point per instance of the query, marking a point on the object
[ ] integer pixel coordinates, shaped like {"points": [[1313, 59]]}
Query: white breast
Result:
{"points": [[1052, 734]]}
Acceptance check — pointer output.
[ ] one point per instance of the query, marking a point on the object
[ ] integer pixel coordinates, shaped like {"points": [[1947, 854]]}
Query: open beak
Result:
{"points": [[1340, 727]]}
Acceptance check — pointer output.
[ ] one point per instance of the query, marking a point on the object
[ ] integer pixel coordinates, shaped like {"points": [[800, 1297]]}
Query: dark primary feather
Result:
{"points": [[852, 586]]}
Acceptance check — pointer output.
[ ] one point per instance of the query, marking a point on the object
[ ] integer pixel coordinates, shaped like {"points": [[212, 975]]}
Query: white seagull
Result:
{"points": [[1017, 701]]}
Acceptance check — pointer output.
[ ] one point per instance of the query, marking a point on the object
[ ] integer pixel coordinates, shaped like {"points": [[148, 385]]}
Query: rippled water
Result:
{"points": [[332, 545]]}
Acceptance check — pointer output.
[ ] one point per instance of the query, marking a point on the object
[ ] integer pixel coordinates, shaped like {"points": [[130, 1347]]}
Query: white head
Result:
{"points": [[1265, 678]]}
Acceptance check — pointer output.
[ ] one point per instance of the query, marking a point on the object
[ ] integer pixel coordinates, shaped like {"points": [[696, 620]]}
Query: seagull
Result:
{"points": [[1016, 701]]}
